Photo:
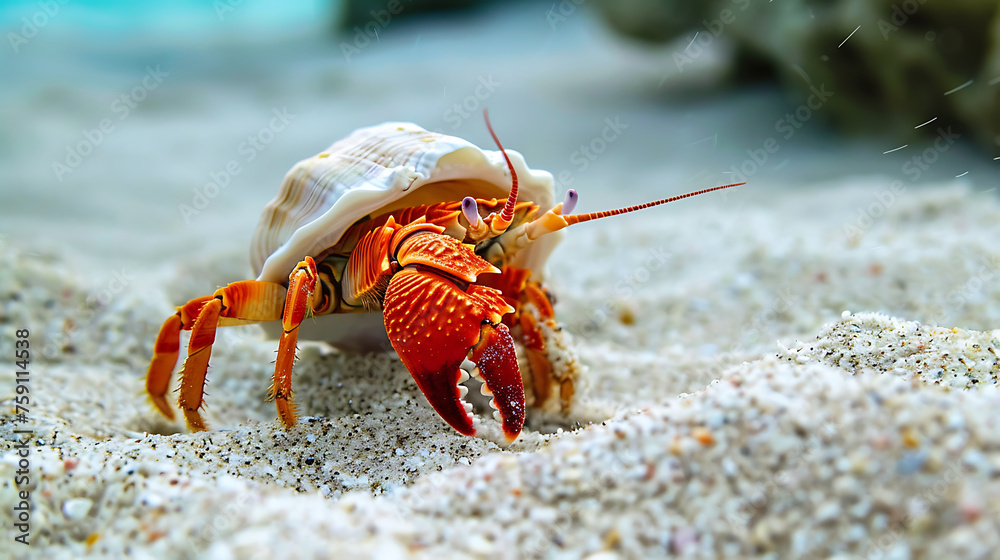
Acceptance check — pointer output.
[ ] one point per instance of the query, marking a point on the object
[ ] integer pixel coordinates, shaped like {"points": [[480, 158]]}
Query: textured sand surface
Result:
{"points": [[731, 408], [696, 434]]}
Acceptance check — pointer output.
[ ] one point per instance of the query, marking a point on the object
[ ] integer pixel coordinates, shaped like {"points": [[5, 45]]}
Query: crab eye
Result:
{"points": [[570, 202], [471, 210]]}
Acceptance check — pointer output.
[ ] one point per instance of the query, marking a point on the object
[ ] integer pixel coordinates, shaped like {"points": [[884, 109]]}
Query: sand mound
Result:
{"points": [[875, 437]]}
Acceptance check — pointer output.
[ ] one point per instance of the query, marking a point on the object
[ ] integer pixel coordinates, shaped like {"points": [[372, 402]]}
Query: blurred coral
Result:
{"points": [[891, 64]]}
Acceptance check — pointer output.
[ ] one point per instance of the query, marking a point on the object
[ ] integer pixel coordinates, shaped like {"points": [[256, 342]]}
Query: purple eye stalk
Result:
{"points": [[570, 202], [471, 210]]}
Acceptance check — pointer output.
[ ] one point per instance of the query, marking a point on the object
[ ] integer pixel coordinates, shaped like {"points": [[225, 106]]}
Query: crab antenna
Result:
{"points": [[577, 218], [554, 220], [507, 215]]}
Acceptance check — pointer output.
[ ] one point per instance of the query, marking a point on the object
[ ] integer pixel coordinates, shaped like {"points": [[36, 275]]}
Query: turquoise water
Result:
{"points": [[112, 21]]}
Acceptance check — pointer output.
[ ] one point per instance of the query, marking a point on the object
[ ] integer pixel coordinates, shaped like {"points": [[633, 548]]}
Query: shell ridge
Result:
{"points": [[370, 169]]}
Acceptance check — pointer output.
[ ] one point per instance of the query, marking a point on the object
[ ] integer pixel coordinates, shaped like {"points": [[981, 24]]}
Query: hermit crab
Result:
{"points": [[421, 236]]}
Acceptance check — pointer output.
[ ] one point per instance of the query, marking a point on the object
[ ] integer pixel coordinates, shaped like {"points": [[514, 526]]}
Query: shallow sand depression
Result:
{"points": [[732, 407]]}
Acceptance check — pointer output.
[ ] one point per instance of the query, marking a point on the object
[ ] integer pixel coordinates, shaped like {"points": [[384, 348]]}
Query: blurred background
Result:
{"points": [[140, 141], [144, 132]]}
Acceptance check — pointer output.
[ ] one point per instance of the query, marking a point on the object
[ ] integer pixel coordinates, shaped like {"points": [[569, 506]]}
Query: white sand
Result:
{"points": [[720, 416], [808, 452]]}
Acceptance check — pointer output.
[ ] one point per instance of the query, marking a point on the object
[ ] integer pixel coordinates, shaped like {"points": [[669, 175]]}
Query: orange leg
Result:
{"points": [[298, 305], [243, 302], [164, 358], [534, 346], [196, 365], [553, 368], [166, 350]]}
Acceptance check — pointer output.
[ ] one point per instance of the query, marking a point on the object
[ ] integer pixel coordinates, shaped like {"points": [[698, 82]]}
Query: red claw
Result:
{"points": [[433, 323], [497, 362]]}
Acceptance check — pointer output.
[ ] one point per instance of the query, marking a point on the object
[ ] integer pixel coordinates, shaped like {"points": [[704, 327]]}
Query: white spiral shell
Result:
{"points": [[376, 170]]}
